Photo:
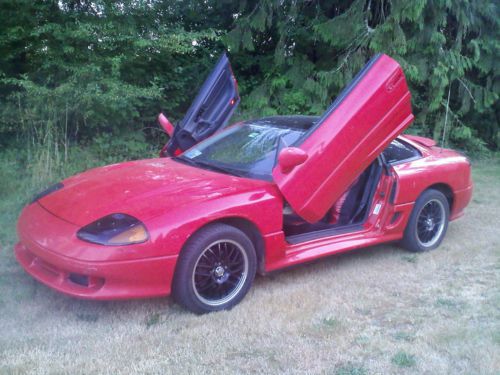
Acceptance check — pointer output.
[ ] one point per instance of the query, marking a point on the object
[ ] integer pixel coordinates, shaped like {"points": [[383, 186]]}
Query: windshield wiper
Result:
{"points": [[204, 165]]}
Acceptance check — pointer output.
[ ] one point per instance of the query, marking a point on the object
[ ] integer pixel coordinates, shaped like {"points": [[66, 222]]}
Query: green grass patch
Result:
{"points": [[403, 359], [152, 320], [87, 317], [450, 304], [351, 369], [331, 322], [410, 258], [495, 336], [404, 336], [362, 340]]}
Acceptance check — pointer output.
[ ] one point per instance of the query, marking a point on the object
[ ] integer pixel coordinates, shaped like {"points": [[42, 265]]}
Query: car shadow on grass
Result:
{"points": [[152, 311], [361, 257]]}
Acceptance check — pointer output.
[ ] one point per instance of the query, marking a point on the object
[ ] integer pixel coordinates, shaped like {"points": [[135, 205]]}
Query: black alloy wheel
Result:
{"points": [[220, 272], [215, 269], [428, 222]]}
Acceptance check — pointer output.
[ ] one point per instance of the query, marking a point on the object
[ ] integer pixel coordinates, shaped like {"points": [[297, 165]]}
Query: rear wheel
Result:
{"points": [[428, 222], [215, 269]]}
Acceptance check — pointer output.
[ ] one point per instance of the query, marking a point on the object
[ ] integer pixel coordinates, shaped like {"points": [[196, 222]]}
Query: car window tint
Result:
{"points": [[249, 148], [246, 144], [399, 151]]}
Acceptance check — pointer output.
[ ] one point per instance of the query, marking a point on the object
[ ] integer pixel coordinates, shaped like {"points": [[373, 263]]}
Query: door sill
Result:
{"points": [[330, 232]]}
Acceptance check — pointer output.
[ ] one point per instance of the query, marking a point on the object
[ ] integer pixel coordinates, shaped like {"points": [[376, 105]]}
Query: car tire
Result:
{"points": [[428, 222], [215, 269]]}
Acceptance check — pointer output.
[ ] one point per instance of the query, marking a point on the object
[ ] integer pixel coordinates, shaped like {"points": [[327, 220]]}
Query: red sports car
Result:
{"points": [[260, 195]]}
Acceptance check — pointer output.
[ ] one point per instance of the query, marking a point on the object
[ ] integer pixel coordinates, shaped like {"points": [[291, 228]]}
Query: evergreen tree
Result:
{"points": [[71, 69], [304, 52]]}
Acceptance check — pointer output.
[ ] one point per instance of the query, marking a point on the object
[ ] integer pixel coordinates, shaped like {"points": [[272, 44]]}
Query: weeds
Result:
{"points": [[331, 322], [411, 258], [152, 319], [495, 336], [403, 359], [450, 304], [88, 317], [350, 369], [404, 336]]}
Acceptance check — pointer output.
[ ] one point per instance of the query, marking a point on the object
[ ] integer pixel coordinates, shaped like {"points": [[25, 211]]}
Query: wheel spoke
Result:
{"points": [[220, 254], [235, 258], [233, 281], [238, 268], [204, 286], [201, 272], [205, 266], [213, 254], [229, 252]]}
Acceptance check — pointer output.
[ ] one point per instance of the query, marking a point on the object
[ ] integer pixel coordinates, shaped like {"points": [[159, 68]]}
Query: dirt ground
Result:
{"points": [[379, 310]]}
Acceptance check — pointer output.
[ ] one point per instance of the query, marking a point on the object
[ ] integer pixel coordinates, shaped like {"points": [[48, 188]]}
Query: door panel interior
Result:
{"points": [[210, 111]]}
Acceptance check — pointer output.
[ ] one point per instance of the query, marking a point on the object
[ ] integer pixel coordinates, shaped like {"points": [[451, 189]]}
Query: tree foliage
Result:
{"points": [[73, 69], [304, 53]]}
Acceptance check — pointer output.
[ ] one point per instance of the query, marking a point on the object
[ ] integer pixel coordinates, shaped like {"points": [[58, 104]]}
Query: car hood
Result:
{"points": [[143, 189]]}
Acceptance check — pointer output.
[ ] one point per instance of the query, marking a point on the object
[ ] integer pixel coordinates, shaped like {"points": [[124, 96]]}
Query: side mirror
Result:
{"points": [[165, 124], [290, 157]]}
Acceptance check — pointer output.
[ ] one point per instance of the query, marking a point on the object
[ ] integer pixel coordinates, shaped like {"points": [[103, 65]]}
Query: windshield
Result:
{"points": [[246, 149]]}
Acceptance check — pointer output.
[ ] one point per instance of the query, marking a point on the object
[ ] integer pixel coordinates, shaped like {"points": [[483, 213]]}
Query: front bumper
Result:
{"points": [[100, 280], [43, 257]]}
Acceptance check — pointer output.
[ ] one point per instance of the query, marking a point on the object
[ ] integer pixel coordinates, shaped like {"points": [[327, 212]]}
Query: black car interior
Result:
{"points": [[353, 212]]}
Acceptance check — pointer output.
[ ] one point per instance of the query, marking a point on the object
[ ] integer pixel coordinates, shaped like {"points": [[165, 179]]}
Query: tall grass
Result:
{"points": [[31, 165], [45, 149], [40, 123], [76, 122], [49, 159]]}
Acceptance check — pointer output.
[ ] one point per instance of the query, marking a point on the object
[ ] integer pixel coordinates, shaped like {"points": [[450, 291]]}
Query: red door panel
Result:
{"points": [[373, 110]]}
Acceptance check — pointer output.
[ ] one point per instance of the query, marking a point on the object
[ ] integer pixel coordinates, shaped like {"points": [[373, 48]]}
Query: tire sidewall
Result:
{"points": [[182, 285]]}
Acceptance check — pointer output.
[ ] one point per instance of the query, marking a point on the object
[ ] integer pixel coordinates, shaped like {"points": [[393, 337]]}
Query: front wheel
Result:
{"points": [[428, 222], [215, 269]]}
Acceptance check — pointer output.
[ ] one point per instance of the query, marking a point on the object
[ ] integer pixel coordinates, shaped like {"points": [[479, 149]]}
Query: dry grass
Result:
{"points": [[380, 310]]}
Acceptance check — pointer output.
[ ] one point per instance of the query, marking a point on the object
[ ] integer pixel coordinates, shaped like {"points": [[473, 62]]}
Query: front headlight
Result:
{"points": [[114, 229]]}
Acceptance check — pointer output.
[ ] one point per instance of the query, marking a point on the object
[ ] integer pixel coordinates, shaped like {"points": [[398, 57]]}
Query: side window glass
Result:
{"points": [[399, 151]]}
